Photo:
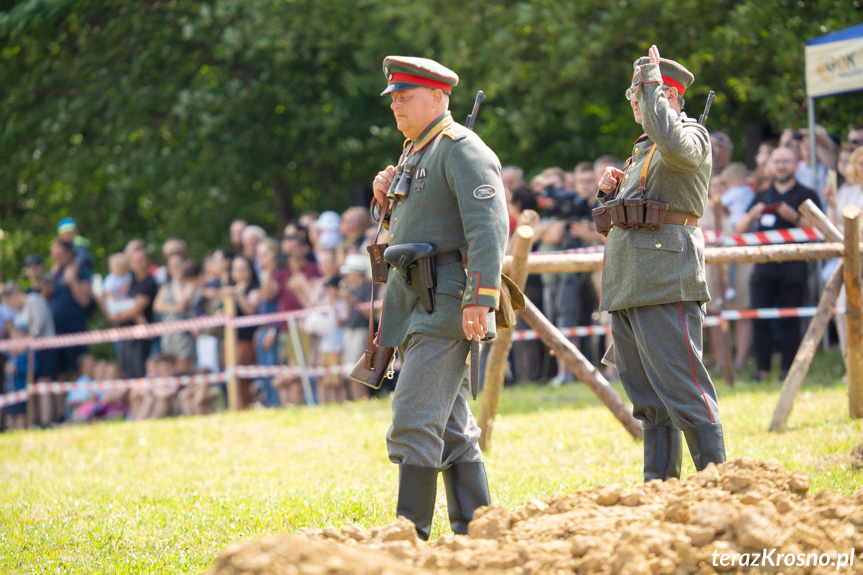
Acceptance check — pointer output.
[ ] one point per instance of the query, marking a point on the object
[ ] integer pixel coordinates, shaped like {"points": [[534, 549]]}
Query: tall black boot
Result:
{"points": [[417, 490], [466, 490], [663, 452], [706, 444]]}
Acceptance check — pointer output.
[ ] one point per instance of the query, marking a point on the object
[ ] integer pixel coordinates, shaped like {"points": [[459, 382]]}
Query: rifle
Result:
{"points": [[703, 119], [475, 346], [471, 118]]}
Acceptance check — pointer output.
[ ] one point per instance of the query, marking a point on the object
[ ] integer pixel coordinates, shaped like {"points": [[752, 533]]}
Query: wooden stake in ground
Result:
{"points": [[231, 352], [853, 310], [583, 369], [496, 364], [812, 338], [721, 334]]}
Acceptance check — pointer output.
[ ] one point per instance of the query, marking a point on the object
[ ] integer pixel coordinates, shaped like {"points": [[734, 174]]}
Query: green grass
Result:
{"points": [[165, 496]]}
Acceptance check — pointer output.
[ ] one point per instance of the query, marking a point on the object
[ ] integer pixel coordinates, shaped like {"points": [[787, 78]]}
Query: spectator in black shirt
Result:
{"points": [[780, 284], [134, 352]]}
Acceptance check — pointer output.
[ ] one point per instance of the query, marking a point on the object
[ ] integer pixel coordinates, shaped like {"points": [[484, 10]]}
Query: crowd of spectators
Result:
{"points": [[320, 264]]}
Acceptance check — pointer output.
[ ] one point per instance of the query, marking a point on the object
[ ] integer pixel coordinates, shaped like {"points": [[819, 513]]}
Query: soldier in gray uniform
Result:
{"points": [[653, 279], [454, 201]]}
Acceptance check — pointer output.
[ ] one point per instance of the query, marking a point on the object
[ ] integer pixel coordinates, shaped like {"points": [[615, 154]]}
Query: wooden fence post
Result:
{"points": [[853, 311], [300, 359], [496, 365], [583, 369], [230, 366], [812, 338]]}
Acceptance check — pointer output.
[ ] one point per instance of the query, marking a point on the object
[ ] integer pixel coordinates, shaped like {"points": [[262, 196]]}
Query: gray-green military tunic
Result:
{"points": [[456, 199], [653, 281]]}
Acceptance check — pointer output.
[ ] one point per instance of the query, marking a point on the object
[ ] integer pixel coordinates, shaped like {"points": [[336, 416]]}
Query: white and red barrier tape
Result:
{"points": [[155, 329], [789, 236], [201, 323], [255, 371], [712, 237], [143, 383], [709, 321]]}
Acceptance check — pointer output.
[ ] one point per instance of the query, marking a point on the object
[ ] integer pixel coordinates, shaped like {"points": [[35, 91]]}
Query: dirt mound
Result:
{"points": [[745, 515]]}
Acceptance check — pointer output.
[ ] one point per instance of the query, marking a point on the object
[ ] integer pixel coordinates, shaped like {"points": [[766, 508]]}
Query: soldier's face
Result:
{"points": [[636, 111], [414, 110]]}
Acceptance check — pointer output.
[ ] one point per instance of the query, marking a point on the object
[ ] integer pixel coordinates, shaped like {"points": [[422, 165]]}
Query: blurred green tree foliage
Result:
{"points": [[170, 118]]}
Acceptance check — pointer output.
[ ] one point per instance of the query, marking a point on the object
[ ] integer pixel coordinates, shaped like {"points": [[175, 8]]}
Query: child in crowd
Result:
{"points": [[199, 398], [139, 396], [16, 375], [117, 286], [114, 404], [289, 388], [83, 402], [355, 289], [159, 401], [333, 386]]}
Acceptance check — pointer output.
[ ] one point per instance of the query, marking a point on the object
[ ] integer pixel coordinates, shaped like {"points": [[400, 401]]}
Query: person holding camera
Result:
{"points": [[571, 295], [653, 277], [778, 284]]}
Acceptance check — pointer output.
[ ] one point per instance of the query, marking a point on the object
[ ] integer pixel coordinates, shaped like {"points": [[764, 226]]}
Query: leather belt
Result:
{"points": [[446, 258], [680, 219]]}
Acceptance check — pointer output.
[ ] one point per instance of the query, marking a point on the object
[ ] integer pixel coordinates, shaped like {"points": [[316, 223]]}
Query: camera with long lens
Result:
{"points": [[565, 205], [568, 207]]}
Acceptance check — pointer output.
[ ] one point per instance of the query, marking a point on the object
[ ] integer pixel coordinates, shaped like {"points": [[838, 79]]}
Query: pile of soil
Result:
{"points": [[746, 515]]}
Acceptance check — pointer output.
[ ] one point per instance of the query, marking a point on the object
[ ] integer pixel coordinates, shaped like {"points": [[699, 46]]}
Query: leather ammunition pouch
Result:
{"points": [[602, 219], [380, 268], [634, 208], [654, 213], [416, 266], [638, 212], [617, 212]]}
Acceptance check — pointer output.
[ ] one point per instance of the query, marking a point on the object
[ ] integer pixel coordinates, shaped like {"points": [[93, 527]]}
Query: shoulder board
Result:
{"points": [[455, 131]]}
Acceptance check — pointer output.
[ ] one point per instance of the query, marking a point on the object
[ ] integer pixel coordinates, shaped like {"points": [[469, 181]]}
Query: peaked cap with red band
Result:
{"points": [[406, 72], [673, 73]]}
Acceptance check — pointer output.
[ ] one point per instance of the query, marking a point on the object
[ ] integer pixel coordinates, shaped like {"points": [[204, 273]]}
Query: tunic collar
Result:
{"points": [[437, 126]]}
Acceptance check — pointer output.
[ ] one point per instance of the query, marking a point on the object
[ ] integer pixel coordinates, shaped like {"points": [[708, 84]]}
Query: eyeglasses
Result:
{"points": [[630, 92], [782, 162]]}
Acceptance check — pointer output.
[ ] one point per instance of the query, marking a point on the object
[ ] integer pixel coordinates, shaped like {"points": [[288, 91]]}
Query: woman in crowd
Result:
{"points": [[324, 333], [174, 303], [849, 194], [296, 244], [266, 336], [245, 290]]}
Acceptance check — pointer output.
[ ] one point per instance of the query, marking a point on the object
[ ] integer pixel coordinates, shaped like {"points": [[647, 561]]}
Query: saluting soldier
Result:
{"points": [[454, 200], [653, 279]]}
